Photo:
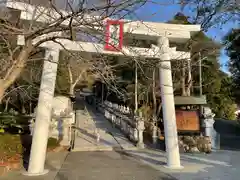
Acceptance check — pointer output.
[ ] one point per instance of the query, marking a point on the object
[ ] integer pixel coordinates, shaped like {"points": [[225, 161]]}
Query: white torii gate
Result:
{"points": [[163, 32]]}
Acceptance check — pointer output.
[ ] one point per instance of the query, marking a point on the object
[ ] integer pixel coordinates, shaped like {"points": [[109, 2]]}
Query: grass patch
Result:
{"points": [[11, 147]]}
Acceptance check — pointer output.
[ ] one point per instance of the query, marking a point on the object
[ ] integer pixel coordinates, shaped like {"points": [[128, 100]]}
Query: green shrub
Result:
{"points": [[10, 123]]}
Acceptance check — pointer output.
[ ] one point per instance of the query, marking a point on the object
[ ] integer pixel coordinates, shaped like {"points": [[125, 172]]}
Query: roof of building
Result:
{"points": [[190, 100]]}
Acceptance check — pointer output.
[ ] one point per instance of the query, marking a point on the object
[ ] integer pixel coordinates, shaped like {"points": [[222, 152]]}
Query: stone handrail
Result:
{"points": [[123, 118], [133, 126]]}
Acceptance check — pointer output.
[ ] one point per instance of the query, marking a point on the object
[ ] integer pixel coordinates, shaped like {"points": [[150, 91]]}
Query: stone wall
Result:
{"points": [[195, 144]]}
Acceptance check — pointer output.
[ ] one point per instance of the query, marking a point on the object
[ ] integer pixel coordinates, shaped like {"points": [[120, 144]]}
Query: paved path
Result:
{"points": [[140, 165], [108, 165], [101, 165], [89, 121], [220, 165]]}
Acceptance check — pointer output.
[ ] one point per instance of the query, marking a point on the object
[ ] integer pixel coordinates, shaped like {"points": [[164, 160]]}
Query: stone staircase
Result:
{"points": [[95, 133]]}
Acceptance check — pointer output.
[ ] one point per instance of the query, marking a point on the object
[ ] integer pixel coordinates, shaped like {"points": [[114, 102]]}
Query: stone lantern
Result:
{"points": [[208, 125]]}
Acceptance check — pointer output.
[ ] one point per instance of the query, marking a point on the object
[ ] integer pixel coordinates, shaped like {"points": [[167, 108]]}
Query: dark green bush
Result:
{"points": [[52, 142], [13, 123]]}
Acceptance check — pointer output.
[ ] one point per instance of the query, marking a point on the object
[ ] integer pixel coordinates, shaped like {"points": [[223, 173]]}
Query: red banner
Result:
{"points": [[114, 35]]}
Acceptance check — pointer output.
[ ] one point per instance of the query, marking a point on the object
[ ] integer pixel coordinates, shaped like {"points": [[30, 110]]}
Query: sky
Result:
{"points": [[157, 12]]}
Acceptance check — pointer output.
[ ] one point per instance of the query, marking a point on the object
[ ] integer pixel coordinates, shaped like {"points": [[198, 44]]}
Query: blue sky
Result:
{"points": [[159, 12]]}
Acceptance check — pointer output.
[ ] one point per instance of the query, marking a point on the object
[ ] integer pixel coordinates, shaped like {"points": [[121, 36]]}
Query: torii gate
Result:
{"points": [[163, 32]]}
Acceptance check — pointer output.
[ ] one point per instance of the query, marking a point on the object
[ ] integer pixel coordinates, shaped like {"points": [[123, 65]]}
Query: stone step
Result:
{"points": [[104, 148], [94, 132], [110, 138]]}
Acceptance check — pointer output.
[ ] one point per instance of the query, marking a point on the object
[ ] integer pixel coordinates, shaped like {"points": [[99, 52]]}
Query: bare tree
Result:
{"points": [[83, 68], [211, 13], [58, 24]]}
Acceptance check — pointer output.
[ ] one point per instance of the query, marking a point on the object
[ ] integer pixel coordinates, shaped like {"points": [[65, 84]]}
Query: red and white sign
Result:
{"points": [[114, 35]]}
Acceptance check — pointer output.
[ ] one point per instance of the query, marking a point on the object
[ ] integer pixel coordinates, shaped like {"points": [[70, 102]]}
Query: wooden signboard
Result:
{"points": [[187, 121]]}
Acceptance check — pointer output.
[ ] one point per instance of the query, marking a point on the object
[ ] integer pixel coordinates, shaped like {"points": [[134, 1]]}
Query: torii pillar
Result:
{"points": [[43, 116], [168, 105]]}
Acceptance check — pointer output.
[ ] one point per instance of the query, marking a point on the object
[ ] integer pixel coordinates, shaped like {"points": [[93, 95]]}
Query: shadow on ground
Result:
{"points": [[26, 140], [107, 165], [93, 137]]}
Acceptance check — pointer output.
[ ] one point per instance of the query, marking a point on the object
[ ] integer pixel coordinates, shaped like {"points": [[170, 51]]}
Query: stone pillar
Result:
{"points": [[43, 115], [65, 134], [113, 119], [135, 134], [73, 117], [140, 127], [31, 127], [208, 124], [169, 116]]}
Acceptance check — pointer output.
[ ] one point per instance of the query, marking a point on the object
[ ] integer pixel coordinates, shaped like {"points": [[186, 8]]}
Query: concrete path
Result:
{"points": [[220, 165], [138, 164], [90, 124], [108, 165], [104, 165]]}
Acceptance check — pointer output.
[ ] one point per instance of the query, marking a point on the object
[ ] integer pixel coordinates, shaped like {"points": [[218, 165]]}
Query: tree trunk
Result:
{"points": [[159, 109], [189, 82], [102, 94], [15, 70], [2, 92], [72, 83], [136, 89], [183, 77], [71, 90], [23, 109], [154, 93], [22, 104], [6, 104]]}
